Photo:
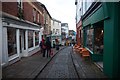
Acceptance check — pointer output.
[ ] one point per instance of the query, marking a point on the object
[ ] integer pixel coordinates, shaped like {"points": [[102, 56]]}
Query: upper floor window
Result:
{"points": [[38, 17], [53, 31], [53, 22], [34, 14], [57, 31], [19, 3]]}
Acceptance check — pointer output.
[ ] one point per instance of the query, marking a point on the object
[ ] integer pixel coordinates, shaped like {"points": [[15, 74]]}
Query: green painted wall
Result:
{"points": [[119, 40], [97, 57], [110, 13], [110, 58], [96, 17]]}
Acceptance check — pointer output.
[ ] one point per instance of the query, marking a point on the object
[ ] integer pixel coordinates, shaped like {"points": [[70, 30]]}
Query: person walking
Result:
{"points": [[43, 47], [57, 44], [48, 46]]}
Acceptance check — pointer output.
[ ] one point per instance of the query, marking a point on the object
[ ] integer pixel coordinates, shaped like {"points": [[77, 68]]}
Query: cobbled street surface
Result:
{"points": [[61, 66]]}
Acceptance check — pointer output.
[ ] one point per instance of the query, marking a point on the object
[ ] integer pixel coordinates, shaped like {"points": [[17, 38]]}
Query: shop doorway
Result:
{"points": [[99, 42], [22, 42]]}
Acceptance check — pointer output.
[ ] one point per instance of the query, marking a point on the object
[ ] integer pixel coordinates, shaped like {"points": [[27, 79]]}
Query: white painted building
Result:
{"points": [[64, 32], [56, 30], [0, 45], [20, 38]]}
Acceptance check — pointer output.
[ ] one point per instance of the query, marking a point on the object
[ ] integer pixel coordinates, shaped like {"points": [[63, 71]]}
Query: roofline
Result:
{"points": [[56, 20], [46, 9]]}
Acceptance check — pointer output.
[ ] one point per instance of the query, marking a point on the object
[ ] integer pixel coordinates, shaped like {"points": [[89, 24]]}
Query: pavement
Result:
{"points": [[28, 67], [31, 66], [86, 67]]}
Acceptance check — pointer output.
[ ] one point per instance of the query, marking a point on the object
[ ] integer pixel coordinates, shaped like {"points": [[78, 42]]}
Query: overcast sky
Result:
{"points": [[62, 10]]}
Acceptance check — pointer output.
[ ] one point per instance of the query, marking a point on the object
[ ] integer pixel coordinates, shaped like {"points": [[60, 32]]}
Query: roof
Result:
{"points": [[45, 9], [64, 24], [56, 20]]}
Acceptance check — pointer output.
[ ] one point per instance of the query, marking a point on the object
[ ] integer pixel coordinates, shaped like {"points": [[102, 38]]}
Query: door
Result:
{"points": [[22, 42]]}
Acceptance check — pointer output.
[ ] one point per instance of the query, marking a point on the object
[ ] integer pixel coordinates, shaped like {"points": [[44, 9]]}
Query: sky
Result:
{"points": [[62, 10]]}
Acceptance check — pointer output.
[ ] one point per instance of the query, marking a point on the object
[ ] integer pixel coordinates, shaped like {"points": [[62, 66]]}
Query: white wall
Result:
{"points": [[0, 46], [66, 29], [56, 25], [4, 47]]}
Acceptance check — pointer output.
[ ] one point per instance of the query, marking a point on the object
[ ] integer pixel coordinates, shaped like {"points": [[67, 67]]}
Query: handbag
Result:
{"points": [[51, 52]]}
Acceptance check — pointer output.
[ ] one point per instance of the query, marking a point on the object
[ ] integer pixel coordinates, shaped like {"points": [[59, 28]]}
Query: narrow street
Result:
{"points": [[65, 63], [61, 66], [68, 64]]}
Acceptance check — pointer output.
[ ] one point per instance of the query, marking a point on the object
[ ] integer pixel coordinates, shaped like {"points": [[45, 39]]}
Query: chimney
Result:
{"points": [[75, 2]]}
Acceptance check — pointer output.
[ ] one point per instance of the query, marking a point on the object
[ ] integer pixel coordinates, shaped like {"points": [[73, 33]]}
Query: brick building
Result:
{"points": [[21, 35]]}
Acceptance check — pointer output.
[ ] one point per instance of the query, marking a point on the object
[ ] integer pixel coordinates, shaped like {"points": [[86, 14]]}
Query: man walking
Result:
{"points": [[48, 46]]}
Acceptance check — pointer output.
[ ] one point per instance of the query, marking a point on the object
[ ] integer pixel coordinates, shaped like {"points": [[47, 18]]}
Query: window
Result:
{"points": [[34, 15], [20, 4], [53, 22], [98, 40], [53, 31], [38, 18], [12, 46], [36, 38], [89, 39], [81, 37], [30, 39]]}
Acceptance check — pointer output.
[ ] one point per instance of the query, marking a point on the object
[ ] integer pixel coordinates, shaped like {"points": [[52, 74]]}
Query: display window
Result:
{"points": [[30, 39], [36, 38], [98, 40], [12, 46], [89, 38]]}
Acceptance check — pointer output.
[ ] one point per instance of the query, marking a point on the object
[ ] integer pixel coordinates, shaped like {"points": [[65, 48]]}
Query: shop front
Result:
{"points": [[93, 33], [100, 35], [20, 39]]}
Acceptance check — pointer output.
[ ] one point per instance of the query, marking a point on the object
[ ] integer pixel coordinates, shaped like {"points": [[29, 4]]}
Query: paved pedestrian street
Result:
{"points": [[65, 63], [68, 64], [60, 67]]}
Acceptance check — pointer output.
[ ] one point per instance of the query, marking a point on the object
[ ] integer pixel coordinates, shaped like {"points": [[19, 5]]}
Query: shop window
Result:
{"points": [[98, 40], [38, 17], [30, 39], [81, 38], [36, 38], [89, 39], [12, 46]]}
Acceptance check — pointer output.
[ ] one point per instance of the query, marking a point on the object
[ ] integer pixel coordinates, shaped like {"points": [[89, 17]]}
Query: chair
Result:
{"points": [[85, 53]]}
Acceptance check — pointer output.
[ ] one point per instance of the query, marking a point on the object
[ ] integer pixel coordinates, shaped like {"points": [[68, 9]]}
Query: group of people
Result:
{"points": [[45, 45]]}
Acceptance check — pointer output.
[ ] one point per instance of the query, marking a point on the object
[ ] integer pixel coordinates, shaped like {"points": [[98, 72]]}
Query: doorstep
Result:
{"points": [[99, 65]]}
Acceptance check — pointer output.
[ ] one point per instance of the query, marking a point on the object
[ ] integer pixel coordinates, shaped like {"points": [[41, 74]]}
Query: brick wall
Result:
{"points": [[10, 8], [28, 11]]}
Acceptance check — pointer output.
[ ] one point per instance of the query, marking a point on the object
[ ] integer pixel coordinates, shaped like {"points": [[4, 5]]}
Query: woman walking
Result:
{"points": [[43, 47]]}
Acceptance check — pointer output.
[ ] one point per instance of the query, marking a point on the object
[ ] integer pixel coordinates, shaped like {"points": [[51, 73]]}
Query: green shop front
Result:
{"points": [[100, 35]]}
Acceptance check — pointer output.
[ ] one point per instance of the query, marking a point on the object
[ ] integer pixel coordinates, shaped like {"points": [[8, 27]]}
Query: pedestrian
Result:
{"points": [[53, 44], [43, 47], [48, 46], [40, 45], [57, 44]]}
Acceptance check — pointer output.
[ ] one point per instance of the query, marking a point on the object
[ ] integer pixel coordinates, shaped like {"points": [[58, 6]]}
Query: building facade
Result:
{"points": [[0, 39], [21, 23], [64, 32], [56, 30], [47, 22], [100, 21]]}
